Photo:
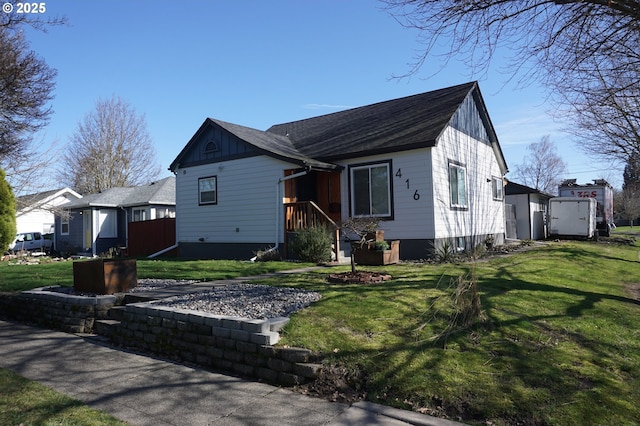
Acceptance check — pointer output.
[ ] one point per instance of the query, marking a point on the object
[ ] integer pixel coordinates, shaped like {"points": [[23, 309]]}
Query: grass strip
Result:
{"points": [[24, 402]]}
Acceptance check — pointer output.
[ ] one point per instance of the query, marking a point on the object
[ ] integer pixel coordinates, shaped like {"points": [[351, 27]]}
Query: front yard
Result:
{"points": [[556, 340]]}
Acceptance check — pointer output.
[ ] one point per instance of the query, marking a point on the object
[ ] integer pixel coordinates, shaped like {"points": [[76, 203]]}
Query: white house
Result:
{"points": [[428, 166], [36, 212], [98, 222]]}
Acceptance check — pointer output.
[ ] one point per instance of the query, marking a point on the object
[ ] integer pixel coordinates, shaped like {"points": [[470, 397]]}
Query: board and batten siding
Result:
{"points": [[246, 207], [484, 215], [412, 193]]}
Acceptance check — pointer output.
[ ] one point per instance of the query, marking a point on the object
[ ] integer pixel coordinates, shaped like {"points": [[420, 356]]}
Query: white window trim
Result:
{"points": [[497, 188], [64, 220], [107, 223], [457, 205], [144, 214]]}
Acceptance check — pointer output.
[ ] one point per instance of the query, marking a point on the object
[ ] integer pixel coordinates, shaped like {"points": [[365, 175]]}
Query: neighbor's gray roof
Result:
{"points": [[162, 192], [32, 200]]}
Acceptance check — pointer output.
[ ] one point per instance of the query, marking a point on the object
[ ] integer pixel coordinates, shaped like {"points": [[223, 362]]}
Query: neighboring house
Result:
{"points": [[36, 212], [98, 222], [428, 166], [531, 208]]}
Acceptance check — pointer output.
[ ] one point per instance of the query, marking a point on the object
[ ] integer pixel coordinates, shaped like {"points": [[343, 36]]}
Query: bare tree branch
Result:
{"points": [[31, 169], [26, 86], [110, 148], [584, 51], [542, 169]]}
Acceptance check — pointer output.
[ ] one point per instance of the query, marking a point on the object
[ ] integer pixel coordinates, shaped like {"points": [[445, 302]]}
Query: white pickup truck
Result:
{"points": [[31, 241]]}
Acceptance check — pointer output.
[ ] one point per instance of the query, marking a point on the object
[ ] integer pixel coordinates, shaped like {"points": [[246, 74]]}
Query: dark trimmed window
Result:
{"points": [[370, 186], [208, 190]]}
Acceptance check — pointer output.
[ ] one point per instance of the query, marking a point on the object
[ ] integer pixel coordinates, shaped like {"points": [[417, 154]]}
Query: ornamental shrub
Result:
{"points": [[7, 213], [312, 244]]}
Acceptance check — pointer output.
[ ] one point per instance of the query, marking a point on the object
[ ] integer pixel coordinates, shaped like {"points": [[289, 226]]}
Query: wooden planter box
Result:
{"points": [[105, 276], [378, 257]]}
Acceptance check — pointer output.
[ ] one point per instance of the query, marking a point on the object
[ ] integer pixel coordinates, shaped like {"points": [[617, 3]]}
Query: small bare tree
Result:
{"points": [[110, 148], [542, 168], [627, 204], [358, 231]]}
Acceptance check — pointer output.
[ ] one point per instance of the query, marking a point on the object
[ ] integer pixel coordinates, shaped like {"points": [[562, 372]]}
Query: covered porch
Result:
{"points": [[312, 198]]}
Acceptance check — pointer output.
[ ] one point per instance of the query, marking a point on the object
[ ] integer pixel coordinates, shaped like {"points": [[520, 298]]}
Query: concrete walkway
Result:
{"points": [[142, 390]]}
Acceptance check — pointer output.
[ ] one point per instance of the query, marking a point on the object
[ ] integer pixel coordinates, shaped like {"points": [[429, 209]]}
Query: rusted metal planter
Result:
{"points": [[105, 276], [370, 256]]}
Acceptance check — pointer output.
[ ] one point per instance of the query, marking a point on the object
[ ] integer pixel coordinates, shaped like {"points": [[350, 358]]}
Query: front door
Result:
{"points": [[323, 188], [328, 194]]}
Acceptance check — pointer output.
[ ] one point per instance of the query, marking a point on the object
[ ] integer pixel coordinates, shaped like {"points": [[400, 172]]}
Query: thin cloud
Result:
{"points": [[326, 106], [528, 129]]}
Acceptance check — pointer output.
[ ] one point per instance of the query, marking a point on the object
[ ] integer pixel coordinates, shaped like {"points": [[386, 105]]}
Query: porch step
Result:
{"points": [[105, 327]]}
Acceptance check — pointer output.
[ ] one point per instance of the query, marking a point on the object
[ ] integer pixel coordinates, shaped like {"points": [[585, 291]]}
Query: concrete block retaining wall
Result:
{"points": [[59, 311], [239, 345]]}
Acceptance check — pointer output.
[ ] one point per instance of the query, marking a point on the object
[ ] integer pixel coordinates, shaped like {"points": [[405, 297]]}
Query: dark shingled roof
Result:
{"points": [[271, 143], [399, 124], [512, 188]]}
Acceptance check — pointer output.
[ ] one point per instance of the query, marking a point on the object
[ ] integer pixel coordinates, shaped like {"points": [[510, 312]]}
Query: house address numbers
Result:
{"points": [[416, 194]]}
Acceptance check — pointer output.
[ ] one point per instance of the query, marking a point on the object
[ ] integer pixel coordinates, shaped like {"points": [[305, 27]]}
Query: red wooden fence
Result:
{"points": [[151, 236]]}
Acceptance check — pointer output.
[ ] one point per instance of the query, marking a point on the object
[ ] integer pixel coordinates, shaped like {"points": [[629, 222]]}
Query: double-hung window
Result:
{"points": [[208, 190], [458, 185], [496, 188], [371, 190], [64, 222]]}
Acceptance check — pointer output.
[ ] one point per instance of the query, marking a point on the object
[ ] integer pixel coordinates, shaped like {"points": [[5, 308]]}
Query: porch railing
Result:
{"points": [[306, 214]]}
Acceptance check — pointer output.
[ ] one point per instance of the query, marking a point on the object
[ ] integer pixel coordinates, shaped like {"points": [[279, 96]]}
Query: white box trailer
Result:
{"points": [[572, 217], [602, 191]]}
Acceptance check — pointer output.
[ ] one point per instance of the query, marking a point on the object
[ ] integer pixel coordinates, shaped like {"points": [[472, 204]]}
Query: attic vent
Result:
{"points": [[211, 147]]}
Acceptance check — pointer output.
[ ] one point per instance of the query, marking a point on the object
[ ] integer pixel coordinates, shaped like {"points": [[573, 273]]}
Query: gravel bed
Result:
{"points": [[246, 301], [236, 300], [146, 284]]}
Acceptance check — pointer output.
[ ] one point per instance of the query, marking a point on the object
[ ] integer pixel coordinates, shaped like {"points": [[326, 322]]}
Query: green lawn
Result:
{"points": [[19, 277], [557, 340]]}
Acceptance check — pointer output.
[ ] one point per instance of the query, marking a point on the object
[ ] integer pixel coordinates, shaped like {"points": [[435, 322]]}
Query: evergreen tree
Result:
{"points": [[7, 213], [631, 174]]}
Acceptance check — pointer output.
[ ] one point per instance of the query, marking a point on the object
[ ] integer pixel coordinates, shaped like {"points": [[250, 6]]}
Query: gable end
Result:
{"points": [[214, 144], [468, 120]]}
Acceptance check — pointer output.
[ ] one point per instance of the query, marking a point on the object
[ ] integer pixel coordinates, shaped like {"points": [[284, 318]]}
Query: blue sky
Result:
{"points": [[258, 63]]}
